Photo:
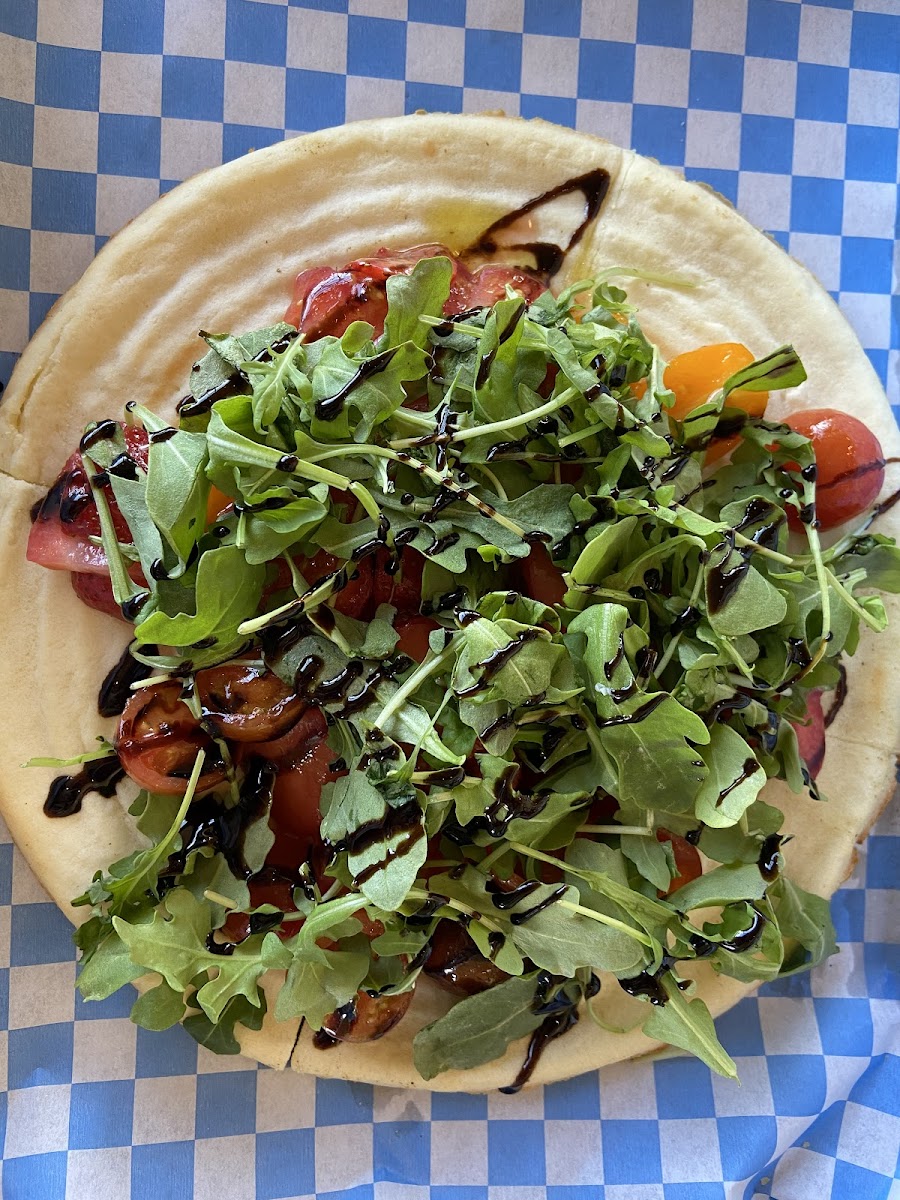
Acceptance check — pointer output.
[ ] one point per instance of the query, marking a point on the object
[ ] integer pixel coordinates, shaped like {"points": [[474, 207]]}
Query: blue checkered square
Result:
{"points": [[316, 99], [773, 29], [42, 1054], [798, 1083], [226, 1104], [16, 132], [460, 1193], [433, 97], [255, 32], [631, 1152], [848, 911], [339, 1102], [15, 270], [575, 1193], [683, 1088], [745, 1142], [193, 88], [67, 78], [875, 42], [402, 1150], [717, 81], [879, 1085], [723, 182], [767, 144], [882, 853], [825, 1130], [41, 1175], [376, 47], [19, 18], [6, 849], [458, 1106], [549, 108], [516, 1153], [133, 28], [170, 1052], [8, 360], [822, 92], [605, 70], [665, 22], [575, 1100], [851, 1180], [866, 267], [172, 1162], [241, 139], [39, 304], [40, 933], [4, 1000], [119, 1004], [845, 1025], [659, 132], [338, 6], [817, 205], [285, 1164], [448, 12], [128, 145], [694, 1191], [871, 153], [557, 18], [493, 60], [882, 966], [100, 1114]]}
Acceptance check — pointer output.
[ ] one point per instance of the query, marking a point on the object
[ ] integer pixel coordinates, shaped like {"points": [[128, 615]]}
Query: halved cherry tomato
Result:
{"points": [[158, 739], [216, 503], [811, 737], [456, 963], [293, 745], [850, 464], [541, 579], [295, 815], [246, 704], [96, 592], [369, 1018], [694, 375], [687, 859]]}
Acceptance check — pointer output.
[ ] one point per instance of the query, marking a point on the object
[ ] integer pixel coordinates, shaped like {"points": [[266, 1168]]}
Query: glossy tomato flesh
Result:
{"points": [[158, 740], [849, 461], [541, 578], [246, 704], [687, 859]]}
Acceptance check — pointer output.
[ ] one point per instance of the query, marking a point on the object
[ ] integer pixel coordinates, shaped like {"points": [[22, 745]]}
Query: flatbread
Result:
{"points": [[220, 252]]}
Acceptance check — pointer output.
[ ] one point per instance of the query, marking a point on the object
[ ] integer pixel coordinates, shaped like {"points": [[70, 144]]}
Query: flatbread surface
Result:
{"points": [[220, 253]]}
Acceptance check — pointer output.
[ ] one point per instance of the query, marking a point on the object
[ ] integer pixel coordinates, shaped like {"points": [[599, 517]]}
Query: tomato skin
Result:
{"points": [[96, 592], [456, 964], [687, 859], [413, 640], [295, 811], [369, 1018], [541, 579], [296, 742], [158, 736], [850, 465], [244, 704], [811, 737]]}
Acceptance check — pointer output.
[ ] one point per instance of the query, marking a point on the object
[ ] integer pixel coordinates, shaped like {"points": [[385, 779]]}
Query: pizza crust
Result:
{"points": [[219, 252]]}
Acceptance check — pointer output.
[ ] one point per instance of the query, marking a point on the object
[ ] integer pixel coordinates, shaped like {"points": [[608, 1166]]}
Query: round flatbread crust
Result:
{"points": [[220, 252]]}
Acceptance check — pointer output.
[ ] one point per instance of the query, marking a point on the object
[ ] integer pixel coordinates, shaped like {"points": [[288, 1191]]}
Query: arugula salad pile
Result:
{"points": [[514, 781]]}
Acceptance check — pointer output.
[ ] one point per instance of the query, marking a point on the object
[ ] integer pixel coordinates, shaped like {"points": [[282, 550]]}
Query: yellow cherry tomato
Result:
{"points": [[696, 374]]}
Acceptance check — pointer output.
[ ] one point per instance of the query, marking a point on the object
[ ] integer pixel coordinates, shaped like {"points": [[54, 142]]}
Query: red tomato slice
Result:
{"points": [[811, 737], [244, 704], [96, 592], [414, 633], [687, 859], [295, 816], [850, 465], [489, 285], [370, 1018], [158, 739], [294, 745], [541, 579]]}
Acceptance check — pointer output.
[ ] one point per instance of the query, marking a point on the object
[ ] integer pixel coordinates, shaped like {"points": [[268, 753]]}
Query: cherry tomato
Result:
{"points": [[456, 963], [811, 737], [414, 633], [488, 285], [687, 859], [245, 704], [541, 579], [370, 1017], [216, 504], [694, 375], [295, 814], [293, 745], [850, 464], [158, 739]]}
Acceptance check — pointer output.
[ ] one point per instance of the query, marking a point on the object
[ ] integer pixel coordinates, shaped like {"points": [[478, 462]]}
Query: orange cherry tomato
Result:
{"points": [[694, 375], [216, 503], [849, 461], [687, 859]]}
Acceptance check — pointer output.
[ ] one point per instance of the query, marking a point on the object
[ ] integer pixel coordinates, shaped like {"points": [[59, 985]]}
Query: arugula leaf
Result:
{"points": [[687, 1024], [734, 781]]}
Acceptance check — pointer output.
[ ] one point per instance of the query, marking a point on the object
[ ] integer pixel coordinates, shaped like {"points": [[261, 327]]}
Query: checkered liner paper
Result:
{"points": [[788, 109]]}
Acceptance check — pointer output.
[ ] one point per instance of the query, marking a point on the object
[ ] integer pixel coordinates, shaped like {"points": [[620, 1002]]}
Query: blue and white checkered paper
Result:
{"points": [[789, 109]]}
